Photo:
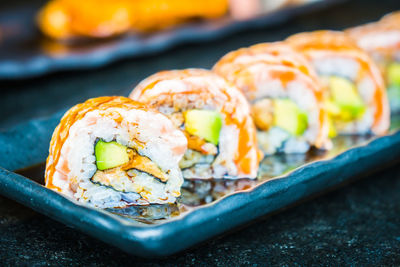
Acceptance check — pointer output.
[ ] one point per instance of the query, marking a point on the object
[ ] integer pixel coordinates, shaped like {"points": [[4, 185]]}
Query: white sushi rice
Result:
{"points": [[342, 67], [278, 140], [349, 68], [138, 127]]}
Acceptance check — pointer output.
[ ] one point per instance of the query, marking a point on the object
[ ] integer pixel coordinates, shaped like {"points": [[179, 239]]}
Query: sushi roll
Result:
{"points": [[72, 19], [69, 20], [355, 94], [114, 152], [284, 93], [213, 115], [382, 42], [248, 9]]}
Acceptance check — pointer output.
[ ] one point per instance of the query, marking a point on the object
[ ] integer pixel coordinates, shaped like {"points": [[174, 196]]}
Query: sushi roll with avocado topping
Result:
{"points": [[213, 115], [113, 152], [355, 94], [285, 96], [381, 40]]}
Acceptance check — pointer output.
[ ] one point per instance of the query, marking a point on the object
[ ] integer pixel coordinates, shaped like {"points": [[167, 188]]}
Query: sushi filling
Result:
{"points": [[343, 103], [393, 82], [202, 129], [349, 89], [281, 124], [122, 168]]}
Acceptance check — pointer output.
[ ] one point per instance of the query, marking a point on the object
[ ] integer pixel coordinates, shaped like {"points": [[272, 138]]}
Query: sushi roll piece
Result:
{"points": [[69, 20], [248, 9], [114, 152], [355, 94], [381, 40], [285, 96], [213, 115], [74, 19]]}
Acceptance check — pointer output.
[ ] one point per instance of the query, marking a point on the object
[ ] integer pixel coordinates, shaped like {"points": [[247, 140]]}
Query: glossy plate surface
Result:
{"points": [[24, 52], [206, 208]]}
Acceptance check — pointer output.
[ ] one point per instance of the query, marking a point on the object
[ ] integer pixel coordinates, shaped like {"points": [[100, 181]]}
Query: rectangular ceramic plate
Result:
{"points": [[24, 52], [206, 208]]}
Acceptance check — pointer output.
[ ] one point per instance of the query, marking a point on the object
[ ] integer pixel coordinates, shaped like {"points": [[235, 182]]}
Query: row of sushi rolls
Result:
{"points": [[281, 97]]}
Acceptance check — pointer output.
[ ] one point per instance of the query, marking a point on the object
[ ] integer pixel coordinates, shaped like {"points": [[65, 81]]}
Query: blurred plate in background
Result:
{"points": [[25, 52]]}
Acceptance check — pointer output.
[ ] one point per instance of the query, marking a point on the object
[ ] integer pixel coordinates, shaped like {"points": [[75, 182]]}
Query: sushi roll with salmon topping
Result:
{"points": [[213, 115], [381, 40], [114, 152], [285, 96], [355, 94]]}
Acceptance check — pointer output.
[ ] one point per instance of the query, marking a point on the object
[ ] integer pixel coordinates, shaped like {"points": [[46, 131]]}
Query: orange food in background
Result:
{"points": [[54, 20], [65, 19], [157, 14]]}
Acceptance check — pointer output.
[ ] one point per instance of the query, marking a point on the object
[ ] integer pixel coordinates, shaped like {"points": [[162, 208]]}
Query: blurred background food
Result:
{"points": [[63, 19], [242, 9], [66, 19], [41, 36], [381, 39]]}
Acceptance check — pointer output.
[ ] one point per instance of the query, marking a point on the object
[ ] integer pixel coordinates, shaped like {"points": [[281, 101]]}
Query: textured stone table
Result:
{"points": [[356, 225]]}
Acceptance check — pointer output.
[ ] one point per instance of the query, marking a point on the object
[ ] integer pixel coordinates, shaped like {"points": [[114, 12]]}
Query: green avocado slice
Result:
{"points": [[332, 129], [288, 116], [346, 98], [110, 155], [393, 74], [206, 124]]}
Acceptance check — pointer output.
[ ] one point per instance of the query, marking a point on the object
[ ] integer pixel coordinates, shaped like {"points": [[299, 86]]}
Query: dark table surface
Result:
{"points": [[356, 225]]}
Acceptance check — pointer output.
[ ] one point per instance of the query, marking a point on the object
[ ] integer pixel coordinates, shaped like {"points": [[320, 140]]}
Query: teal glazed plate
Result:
{"points": [[206, 208]]}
